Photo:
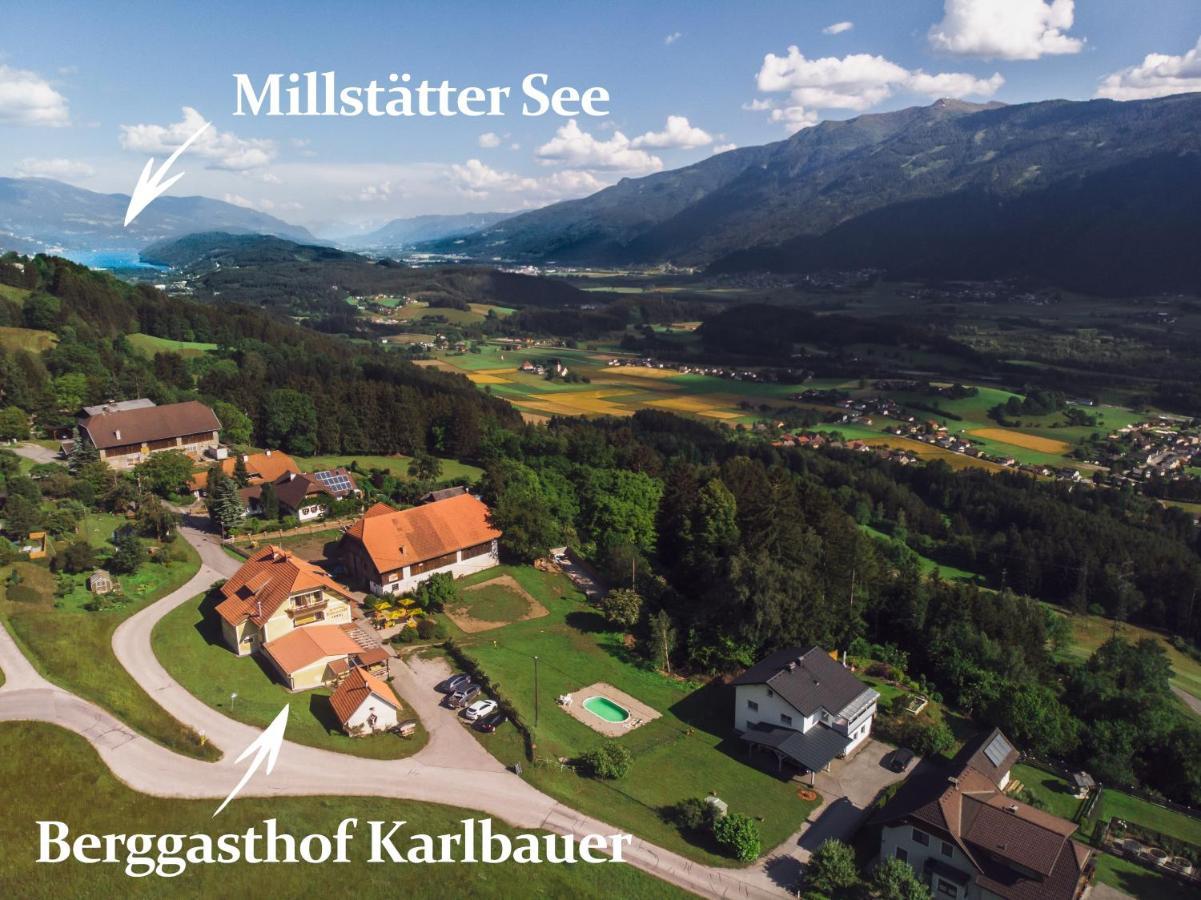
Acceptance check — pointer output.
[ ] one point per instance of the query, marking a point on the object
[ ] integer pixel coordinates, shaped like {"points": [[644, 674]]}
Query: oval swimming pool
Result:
{"points": [[604, 708]]}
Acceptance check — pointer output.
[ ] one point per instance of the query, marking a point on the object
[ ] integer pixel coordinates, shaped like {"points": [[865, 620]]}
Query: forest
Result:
{"points": [[734, 548]]}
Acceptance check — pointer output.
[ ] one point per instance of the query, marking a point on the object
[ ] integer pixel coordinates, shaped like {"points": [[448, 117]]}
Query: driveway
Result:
{"points": [[848, 791], [36, 452]]}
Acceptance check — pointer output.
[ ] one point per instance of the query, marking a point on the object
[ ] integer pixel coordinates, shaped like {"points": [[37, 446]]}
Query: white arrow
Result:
{"points": [[265, 746], [150, 186]]}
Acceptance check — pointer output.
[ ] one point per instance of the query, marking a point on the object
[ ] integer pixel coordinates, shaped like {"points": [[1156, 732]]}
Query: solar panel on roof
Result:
{"points": [[337, 482], [998, 748]]}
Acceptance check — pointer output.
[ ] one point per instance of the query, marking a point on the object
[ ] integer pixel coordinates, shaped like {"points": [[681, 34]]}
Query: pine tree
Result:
{"points": [[82, 452], [241, 473], [224, 505], [269, 500]]}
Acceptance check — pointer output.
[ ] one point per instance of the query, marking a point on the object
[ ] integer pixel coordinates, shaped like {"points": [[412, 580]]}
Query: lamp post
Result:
{"points": [[232, 697], [535, 692]]}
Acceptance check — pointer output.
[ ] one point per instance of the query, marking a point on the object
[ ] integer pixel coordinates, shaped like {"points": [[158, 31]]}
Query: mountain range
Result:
{"points": [[1098, 194], [40, 214], [401, 234]]}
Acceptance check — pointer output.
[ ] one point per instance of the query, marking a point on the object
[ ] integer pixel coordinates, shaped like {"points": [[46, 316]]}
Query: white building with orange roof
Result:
{"points": [[365, 704], [270, 465], [393, 551], [274, 593], [310, 657]]}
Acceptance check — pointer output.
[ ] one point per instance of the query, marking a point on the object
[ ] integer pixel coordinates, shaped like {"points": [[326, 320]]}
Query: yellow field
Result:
{"points": [[440, 364], [575, 403], [641, 372], [715, 407], [27, 339], [1021, 439]]}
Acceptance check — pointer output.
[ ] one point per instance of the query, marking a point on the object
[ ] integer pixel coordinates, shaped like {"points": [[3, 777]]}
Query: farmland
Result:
{"points": [[148, 345], [12, 338]]}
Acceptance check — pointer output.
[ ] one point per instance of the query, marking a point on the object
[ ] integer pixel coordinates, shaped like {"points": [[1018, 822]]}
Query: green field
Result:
{"points": [[947, 573], [688, 752], [72, 646], [148, 345], [1139, 881], [1053, 793], [452, 470], [188, 643], [493, 602], [26, 339], [1115, 804], [69, 783], [13, 294]]}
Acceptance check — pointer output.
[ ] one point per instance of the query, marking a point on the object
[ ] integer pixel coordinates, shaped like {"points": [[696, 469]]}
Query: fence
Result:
{"points": [[260, 536], [472, 668]]}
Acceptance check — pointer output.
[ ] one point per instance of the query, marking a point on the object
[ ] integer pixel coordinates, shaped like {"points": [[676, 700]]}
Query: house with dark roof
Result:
{"points": [[305, 495], [275, 593], [968, 840], [804, 706], [125, 434], [393, 550]]}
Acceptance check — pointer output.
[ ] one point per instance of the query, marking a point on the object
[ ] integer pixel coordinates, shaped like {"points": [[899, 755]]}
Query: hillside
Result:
{"points": [[305, 279], [984, 172], [39, 214], [401, 233]]}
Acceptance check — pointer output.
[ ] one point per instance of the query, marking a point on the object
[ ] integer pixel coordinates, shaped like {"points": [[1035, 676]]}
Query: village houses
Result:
{"points": [[127, 433]]}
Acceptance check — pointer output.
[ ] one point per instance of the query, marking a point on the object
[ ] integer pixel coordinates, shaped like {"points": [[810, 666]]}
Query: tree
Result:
{"points": [[290, 421], [622, 607], [437, 592], [225, 506], [610, 760], [738, 835], [236, 427], [832, 869], [166, 473], [14, 424], [241, 473], [425, 467], [80, 556], [662, 640], [155, 518], [83, 453], [128, 552], [269, 501], [893, 879], [21, 516]]}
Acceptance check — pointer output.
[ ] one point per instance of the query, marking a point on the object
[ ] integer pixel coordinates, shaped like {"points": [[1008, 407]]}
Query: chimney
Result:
{"points": [[245, 458], [117, 434], [268, 453]]}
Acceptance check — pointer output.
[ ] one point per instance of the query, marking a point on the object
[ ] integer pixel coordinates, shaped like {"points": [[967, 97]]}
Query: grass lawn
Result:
{"points": [[15, 294], [398, 465], [148, 345], [688, 752], [12, 338], [1054, 792], [494, 603], [1141, 812], [73, 647], [188, 643], [69, 783], [947, 573], [1138, 881]]}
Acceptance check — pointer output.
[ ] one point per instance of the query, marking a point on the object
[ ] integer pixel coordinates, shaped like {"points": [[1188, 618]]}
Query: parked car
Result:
{"points": [[454, 682], [464, 695], [901, 758], [490, 723], [479, 710]]}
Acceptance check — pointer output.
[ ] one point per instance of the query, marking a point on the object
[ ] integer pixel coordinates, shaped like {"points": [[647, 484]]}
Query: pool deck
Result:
{"points": [[640, 713]]}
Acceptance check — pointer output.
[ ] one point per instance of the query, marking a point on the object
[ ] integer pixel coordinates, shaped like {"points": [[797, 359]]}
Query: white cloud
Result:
{"points": [[759, 104], [1156, 76], [238, 200], [576, 147], [1006, 29], [489, 139], [63, 169], [223, 149], [673, 37], [856, 82], [28, 99], [479, 180], [677, 133], [838, 28], [375, 193], [722, 148]]}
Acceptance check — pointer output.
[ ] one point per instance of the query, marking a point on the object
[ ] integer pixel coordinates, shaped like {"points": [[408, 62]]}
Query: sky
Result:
{"points": [[88, 95]]}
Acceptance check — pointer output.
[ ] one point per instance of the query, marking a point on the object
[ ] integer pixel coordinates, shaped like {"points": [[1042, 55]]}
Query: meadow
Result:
{"points": [[148, 345]]}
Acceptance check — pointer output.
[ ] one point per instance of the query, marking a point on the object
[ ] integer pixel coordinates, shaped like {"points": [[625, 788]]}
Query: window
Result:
{"points": [[947, 889], [947, 850], [900, 854], [785, 720], [920, 837], [752, 705]]}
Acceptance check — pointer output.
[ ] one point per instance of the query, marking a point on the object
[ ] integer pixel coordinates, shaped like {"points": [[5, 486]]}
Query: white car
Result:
{"points": [[479, 709]]}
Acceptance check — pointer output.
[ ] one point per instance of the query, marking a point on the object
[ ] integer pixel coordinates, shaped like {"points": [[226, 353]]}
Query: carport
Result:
{"points": [[812, 750]]}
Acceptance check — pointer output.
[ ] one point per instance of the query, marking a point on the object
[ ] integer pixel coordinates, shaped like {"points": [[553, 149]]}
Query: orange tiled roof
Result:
{"points": [[262, 467], [399, 538], [268, 579], [313, 643], [356, 688]]}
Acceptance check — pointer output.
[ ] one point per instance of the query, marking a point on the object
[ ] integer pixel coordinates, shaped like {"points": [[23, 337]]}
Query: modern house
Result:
{"points": [[305, 658], [127, 433], [364, 704], [393, 551], [266, 466], [275, 593], [804, 706], [969, 841], [303, 495]]}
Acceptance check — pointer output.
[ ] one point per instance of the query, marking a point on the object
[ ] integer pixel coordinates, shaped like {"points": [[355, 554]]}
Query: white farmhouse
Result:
{"points": [[364, 704]]}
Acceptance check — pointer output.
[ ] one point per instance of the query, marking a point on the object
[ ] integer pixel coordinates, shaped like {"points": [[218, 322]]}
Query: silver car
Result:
{"points": [[463, 696]]}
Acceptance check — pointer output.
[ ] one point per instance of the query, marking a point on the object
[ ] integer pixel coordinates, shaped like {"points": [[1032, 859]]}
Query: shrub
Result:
{"points": [[738, 835], [832, 868], [23, 593], [693, 814], [79, 557], [609, 760], [437, 592], [430, 630]]}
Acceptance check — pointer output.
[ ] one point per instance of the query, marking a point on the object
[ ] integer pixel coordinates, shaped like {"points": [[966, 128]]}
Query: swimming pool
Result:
{"points": [[604, 708]]}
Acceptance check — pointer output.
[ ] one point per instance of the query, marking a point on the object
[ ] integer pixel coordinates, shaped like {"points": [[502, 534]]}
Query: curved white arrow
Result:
{"points": [[150, 186], [265, 746]]}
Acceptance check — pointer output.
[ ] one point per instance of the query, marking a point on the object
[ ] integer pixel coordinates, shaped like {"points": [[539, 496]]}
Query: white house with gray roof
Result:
{"points": [[804, 706]]}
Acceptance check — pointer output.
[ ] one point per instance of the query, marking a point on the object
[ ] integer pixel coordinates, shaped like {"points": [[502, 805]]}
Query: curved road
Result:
{"points": [[452, 769]]}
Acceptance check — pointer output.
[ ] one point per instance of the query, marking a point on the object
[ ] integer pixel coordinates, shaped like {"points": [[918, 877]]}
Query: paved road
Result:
{"points": [[453, 769], [1189, 700], [36, 452]]}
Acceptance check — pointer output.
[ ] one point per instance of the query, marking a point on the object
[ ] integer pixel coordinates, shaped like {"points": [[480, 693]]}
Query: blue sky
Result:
{"points": [[88, 96]]}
